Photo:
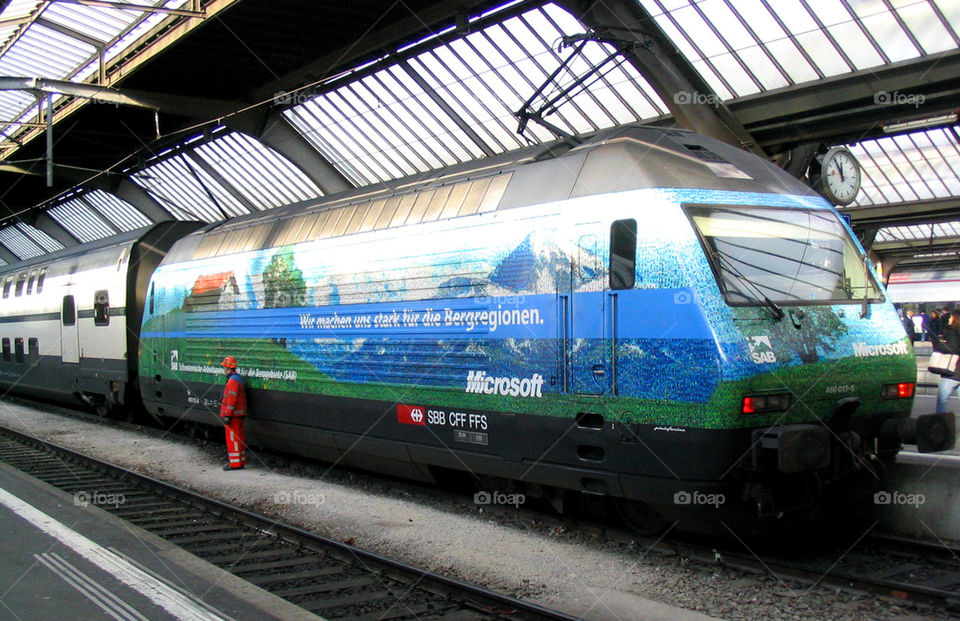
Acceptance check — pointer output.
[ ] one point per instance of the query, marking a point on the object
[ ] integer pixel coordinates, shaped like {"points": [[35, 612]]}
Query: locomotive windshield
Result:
{"points": [[765, 255]]}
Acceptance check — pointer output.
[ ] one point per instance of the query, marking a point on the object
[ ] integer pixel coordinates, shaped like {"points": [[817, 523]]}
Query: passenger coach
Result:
{"points": [[70, 320]]}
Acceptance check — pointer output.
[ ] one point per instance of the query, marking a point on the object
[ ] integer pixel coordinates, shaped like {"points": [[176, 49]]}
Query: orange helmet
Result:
{"points": [[229, 363]]}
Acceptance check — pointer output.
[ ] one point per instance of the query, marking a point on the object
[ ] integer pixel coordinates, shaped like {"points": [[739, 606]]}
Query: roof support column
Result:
{"points": [[52, 228], [675, 80], [274, 131], [8, 256], [135, 195]]}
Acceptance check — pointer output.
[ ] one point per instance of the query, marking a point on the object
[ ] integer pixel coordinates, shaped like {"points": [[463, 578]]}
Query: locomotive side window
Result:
{"points": [[101, 308], [21, 280], [18, 348], [40, 277], [623, 254], [30, 280], [33, 349], [69, 315], [6, 286], [6, 350]]}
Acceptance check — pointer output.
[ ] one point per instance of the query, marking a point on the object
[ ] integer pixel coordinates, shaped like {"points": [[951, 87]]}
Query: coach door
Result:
{"points": [[69, 331], [588, 346]]}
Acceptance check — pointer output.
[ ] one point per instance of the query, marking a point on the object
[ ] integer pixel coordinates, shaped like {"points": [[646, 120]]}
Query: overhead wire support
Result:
{"points": [[566, 92]]}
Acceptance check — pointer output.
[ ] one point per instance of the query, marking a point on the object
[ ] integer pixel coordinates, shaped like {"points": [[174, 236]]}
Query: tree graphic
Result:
{"points": [[283, 283], [820, 328]]}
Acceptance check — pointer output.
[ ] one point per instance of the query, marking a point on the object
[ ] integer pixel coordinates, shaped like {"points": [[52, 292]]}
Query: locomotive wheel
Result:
{"points": [[640, 517]]}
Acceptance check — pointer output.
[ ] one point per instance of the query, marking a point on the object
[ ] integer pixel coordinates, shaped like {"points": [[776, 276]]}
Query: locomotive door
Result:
{"points": [[588, 349], [69, 331]]}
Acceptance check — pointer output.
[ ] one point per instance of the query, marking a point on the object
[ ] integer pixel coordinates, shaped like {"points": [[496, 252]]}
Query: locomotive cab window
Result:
{"points": [[21, 280], [764, 255], [69, 315], [30, 281], [6, 286], [101, 308], [40, 277], [623, 254]]}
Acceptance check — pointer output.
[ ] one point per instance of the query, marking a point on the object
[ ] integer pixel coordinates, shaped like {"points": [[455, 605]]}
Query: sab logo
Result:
{"points": [[761, 351], [411, 414]]}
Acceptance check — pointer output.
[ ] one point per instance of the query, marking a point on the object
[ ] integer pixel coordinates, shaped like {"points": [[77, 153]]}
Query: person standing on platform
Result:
{"points": [[934, 327], [909, 327], [233, 409], [949, 345]]}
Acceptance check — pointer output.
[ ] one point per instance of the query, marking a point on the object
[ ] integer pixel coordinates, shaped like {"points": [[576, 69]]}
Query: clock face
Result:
{"points": [[840, 176]]}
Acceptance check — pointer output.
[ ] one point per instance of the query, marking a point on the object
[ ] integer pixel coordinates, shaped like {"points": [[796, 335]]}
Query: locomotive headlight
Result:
{"points": [[766, 403], [903, 390]]}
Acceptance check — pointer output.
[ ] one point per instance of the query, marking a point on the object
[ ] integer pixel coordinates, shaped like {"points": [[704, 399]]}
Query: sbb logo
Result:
{"points": [[411, 414]]}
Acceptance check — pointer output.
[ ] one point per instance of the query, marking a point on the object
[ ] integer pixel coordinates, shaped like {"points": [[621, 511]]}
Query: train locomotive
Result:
{"points": [[652, 316]]}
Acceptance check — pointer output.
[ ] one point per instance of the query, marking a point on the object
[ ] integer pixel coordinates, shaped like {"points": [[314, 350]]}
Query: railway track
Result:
{"points": [[326, 577], [905, 569]]}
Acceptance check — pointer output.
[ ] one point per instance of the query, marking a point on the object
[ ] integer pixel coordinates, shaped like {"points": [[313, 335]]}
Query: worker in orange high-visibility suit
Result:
{"points": [[233, 409]]}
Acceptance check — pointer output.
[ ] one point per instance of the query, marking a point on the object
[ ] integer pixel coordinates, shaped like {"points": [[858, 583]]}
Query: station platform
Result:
{"points": [[63, 561]]}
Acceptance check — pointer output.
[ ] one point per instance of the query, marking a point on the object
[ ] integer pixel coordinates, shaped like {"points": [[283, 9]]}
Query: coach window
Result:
{"points": [[21, 280], [30, 280], [69, 315], [40, 277], [101, 308], [33, 349], [6, 350], [18, 348], [623, 254]]}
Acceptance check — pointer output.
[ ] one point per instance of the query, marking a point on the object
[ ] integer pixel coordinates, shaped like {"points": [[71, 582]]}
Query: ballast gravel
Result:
{"points": [[552, 566]]}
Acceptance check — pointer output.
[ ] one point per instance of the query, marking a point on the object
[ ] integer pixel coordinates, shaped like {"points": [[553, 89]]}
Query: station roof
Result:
{"points": [[210, 109]]}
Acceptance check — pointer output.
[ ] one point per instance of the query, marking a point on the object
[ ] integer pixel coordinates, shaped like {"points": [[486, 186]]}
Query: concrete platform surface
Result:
{"points": [[64, 562]]}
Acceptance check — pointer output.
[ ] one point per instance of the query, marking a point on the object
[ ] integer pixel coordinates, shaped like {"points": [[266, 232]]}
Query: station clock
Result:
{"points": [[836, 175]]}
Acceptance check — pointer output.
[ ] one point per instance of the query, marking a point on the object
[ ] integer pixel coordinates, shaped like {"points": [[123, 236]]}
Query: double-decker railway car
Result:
{"points": [[70, 320], [652, 316]]}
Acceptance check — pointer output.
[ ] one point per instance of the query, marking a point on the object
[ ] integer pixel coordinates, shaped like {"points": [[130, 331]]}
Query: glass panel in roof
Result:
{"points": [[921, 165], [119, 212], [801, 40], [920, 232], [43, 52], [76, 217], [98, 23], [925, 25], [385, 125], [176, 184], [40, 238], [882, 25], [843, 27], [19, 244], [264, 177]]}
